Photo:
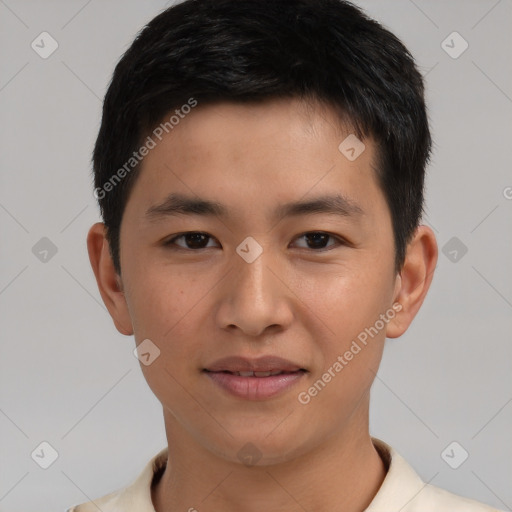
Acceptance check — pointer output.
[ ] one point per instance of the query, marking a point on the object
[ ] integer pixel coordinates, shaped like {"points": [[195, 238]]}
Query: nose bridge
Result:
{"points": [[254, 298], [254, 279]]}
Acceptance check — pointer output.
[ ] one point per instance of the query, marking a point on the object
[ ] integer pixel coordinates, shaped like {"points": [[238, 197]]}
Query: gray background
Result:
{"points": [[67, 377]]}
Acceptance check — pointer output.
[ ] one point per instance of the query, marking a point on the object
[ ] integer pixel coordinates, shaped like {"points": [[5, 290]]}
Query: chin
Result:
{"points": [[252, 447]]}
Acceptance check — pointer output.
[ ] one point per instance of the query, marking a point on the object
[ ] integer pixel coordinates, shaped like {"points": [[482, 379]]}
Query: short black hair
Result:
{"points": [[328, 51]]}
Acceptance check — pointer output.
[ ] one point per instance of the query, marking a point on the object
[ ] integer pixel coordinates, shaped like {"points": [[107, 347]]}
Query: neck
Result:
{"points": [[343, 473]]}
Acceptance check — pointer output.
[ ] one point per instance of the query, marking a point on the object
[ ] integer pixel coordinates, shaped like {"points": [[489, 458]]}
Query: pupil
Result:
{"points": [[317, 237], [195, 239]]}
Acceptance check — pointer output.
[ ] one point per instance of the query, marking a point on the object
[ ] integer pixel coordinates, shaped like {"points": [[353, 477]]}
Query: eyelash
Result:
{"points": [[171, 243]]}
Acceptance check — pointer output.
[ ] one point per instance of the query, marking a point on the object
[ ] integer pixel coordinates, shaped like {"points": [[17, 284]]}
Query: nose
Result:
{"points": [[254, 298]]}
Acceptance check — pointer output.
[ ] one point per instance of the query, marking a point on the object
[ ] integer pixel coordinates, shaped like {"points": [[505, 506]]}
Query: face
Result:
{"points": [[295, 260]]}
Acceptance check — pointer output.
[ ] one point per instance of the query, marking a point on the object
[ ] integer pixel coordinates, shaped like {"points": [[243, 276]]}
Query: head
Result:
{"points": [[293, 131]]}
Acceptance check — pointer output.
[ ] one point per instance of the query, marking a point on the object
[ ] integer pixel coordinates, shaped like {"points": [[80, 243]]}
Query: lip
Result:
{"points": [[253, 387], [261, 364]]}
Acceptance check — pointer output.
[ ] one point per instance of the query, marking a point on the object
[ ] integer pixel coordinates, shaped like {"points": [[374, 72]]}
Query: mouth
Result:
{"points": [[261, 374], [259, 366], [254, 379]]}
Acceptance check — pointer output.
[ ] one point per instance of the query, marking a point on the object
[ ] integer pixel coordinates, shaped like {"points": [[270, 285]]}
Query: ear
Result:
{"points": [[414, 280], [108, 280]]}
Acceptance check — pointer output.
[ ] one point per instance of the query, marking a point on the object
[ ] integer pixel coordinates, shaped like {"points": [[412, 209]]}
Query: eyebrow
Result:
{"points": [[177, 204]]}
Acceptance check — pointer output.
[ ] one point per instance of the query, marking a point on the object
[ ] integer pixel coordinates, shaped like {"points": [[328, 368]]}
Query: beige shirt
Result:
{"points": [[401, 491]]}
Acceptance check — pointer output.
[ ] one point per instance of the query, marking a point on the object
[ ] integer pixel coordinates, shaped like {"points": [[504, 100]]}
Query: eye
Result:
{"points": [[193, 240], [318, 240]]}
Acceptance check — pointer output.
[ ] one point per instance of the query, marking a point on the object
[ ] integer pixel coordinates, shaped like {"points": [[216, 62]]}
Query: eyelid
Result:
{"points": [[339, 239], [170, 241]]}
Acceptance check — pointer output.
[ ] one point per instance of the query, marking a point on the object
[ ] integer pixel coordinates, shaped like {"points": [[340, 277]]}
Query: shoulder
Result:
{"points": [[136, 497], [107, 503], [403, 490], [442, 499]]}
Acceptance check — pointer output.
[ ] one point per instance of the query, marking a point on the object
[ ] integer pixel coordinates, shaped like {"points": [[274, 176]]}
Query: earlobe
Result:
{"points": [[414, 279], [109, 282]]}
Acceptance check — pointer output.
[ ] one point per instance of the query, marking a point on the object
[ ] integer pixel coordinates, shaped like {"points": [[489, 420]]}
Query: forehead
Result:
{"points": [[241, 127], [277, 151]]}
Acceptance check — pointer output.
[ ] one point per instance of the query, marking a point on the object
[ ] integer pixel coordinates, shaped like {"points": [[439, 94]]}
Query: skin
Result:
{"points": [[305, 303]]}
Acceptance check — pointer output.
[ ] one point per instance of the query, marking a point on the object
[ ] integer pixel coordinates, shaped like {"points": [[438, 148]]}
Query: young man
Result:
{"points": [[259, 170]]}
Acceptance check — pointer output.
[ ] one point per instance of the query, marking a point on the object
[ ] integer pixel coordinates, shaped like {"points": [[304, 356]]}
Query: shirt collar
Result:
{"points": [[401, 484]]}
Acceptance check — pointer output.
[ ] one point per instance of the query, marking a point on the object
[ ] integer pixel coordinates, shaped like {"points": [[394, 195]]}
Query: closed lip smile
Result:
{"points": [[254, 379]]}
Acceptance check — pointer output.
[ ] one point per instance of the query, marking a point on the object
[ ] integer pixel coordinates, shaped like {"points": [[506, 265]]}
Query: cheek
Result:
{"points": [[168, 311], [345, 300], [160, 298], [348, 305], [349, 349]]}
